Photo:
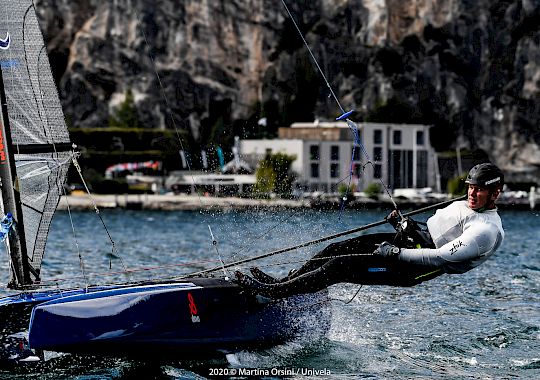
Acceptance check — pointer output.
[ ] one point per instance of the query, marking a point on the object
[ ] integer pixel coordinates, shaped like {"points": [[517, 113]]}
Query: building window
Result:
{"points": [[421, 168], [419, 137], [377, 171], [377, 153], [314, 170], [314, 152], [377, 136], [334, 153], [401, 169], [334, 170], [397, 137]]}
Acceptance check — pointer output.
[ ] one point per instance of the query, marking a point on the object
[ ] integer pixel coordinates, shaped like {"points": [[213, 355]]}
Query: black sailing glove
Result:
{"points": [[393, 219], [400, 223]]}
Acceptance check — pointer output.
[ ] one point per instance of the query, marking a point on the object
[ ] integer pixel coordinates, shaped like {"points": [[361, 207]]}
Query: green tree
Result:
{"points": [[457, 186], [345, 189], [274, 175], [373, 190], [125, 114]]}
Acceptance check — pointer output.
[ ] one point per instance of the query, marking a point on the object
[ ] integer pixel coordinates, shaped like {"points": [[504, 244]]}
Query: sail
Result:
{"points": [[38, 130]]}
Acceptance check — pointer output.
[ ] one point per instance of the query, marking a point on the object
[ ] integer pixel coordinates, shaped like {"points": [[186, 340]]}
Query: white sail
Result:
{"points": [[38, 130]]}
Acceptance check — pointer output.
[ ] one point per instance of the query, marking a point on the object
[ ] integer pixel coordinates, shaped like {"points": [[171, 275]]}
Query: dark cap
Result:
{"points": [[486, 174]]}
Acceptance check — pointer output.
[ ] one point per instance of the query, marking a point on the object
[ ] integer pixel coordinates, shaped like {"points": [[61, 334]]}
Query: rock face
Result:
{"points": [[469, 68]]}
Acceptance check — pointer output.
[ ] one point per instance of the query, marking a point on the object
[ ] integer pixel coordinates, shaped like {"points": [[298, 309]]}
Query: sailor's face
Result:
{"points": [[478, 197]]}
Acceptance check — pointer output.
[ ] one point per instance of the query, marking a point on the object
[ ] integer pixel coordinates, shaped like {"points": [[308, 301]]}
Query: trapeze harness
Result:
{"points": [[457, 239]]}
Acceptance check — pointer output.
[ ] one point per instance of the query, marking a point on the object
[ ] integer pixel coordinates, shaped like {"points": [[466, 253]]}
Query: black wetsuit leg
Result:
{"points": [[351, 261], [364, 244]]}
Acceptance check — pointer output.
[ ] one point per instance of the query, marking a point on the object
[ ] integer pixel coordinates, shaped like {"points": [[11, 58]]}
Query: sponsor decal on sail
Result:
{"points": [[10, 63], [4, 43]]}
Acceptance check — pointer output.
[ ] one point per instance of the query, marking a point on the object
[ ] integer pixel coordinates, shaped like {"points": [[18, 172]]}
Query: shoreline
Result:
{"points": [[172, 202], [169, 202]]}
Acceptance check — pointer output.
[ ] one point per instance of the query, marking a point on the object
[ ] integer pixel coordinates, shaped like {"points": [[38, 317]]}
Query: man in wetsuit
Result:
{"points": [[458, 238]]}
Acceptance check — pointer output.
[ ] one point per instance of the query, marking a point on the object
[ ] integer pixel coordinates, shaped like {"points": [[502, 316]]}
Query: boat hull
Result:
{"points": [[192, 318], [15, 312]]}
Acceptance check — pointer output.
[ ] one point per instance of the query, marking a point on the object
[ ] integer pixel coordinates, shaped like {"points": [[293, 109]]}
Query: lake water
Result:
{"points": [[483, 324]]}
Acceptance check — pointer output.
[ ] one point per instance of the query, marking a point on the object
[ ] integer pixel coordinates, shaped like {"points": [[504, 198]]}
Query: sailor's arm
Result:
{"points": [[476, 241]]}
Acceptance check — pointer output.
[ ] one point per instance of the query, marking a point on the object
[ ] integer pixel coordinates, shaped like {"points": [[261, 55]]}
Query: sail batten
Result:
{"points": [[41, 144]]}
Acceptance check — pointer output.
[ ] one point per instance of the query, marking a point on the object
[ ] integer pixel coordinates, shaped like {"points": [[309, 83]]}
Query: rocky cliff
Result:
{"points": [[469, 68]]}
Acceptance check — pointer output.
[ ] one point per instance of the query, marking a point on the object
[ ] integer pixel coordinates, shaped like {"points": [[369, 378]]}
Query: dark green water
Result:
{"points": [[483, 324]]}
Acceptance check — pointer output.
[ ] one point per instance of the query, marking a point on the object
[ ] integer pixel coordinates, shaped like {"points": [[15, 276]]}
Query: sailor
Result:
{"points": [[457, 239]]}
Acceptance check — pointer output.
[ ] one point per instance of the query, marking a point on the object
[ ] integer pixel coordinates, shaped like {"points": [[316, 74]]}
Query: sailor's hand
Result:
{"points": [[393, 218], [386, 249]]}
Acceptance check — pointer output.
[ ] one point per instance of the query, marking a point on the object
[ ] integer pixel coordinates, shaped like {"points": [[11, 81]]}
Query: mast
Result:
{"points": [[16, 246]]}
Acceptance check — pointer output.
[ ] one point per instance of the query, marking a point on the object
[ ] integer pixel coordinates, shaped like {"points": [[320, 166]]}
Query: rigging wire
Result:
{"points": [[313, 57], [81, 261], [255, 239], [175, 126], [345, 115], [215, 244], [114, 253], [167, 103], [331, 237], [58, 280]]}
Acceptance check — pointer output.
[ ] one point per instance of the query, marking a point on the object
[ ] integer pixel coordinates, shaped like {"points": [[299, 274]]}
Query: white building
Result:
{"points": [[399, 154], [189, 182]]}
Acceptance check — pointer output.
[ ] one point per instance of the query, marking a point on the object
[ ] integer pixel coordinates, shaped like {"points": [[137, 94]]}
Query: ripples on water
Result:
{"points": [[483, 324]]}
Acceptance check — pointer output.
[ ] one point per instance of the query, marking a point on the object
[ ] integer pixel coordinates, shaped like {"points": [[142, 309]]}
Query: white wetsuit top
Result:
{"points": [[463, 238]]}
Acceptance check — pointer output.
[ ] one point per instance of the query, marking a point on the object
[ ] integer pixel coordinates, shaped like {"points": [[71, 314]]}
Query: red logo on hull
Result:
{"points": [[2, 146], [193, 309]]}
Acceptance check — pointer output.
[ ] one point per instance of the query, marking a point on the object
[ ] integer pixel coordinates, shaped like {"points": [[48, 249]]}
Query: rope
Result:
{"points": [[353, 297], [330, 237], [257, 238], [315, 259], [424, 209], [325, 301], [86, 276], [59, 280]]}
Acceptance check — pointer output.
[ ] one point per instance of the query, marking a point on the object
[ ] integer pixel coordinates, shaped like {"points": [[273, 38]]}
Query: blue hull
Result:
{"points": [[15, 314], [199, 316]]}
